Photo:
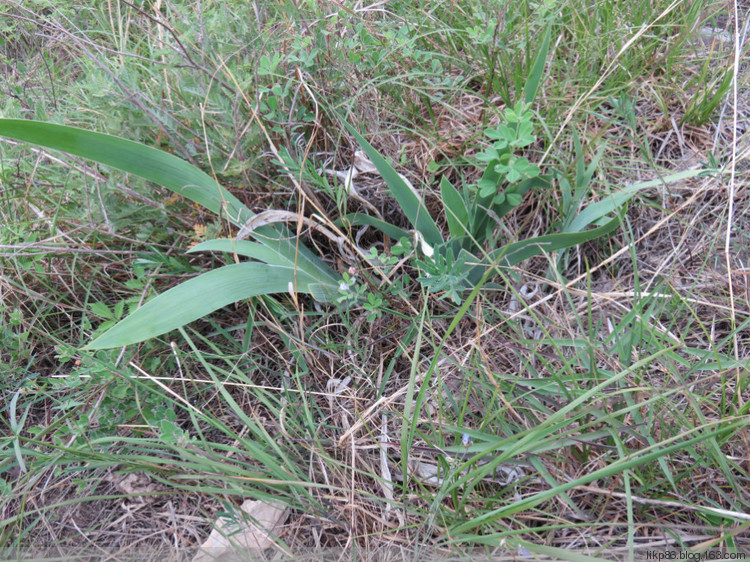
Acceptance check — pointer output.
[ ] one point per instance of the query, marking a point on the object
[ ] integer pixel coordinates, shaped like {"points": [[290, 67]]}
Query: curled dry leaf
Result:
{"points": [[361, 165], [272, 216]]}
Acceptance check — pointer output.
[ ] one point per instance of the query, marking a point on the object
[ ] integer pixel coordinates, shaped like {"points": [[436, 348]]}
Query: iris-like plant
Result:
{"points": [[277, 263], [454, 264], [457, 263]]}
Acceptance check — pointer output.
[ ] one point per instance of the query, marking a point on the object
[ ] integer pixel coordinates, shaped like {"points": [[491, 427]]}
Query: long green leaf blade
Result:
{"points": [[597, 210], [198, 297], [245, 248], [456, 212], [537, 69], [149, 163], [360, 219], [410, 203], [519, 251], [269, 253]]}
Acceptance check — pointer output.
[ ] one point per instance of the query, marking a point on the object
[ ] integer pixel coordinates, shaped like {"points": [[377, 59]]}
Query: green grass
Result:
{"points": [[588, 402]]}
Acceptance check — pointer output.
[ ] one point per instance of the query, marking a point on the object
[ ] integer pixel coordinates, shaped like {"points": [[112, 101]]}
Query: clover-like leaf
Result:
{"points": [[487, 187], [488, 155], [502, 168], [525, 168], [513, 175], [502, 135], [517, 114], [514, 199], [524, 135]]}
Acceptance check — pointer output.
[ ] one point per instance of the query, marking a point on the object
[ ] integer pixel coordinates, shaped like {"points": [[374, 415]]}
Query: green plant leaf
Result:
{"points": [[360, 219], [596, 211], [537, 69], [517, 252], [584, 174], [514, 199], [456, 212], [487, 187], [269, 254], [409, 201], [150, 163], [101, 310], [504, 137], [525, 134], [200, 296]]}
